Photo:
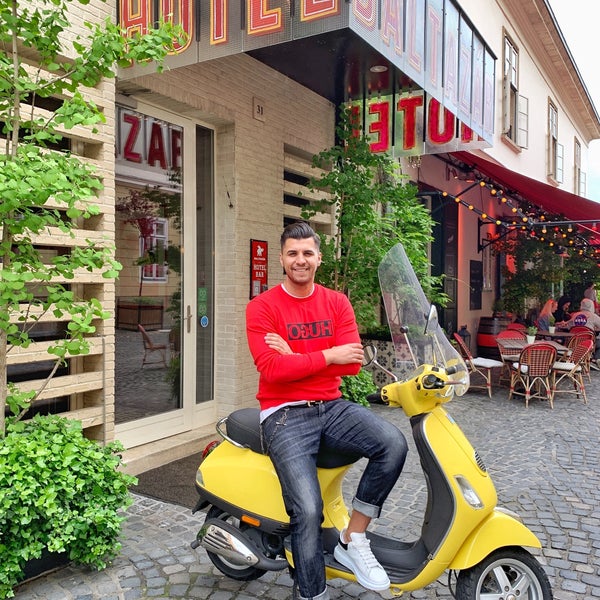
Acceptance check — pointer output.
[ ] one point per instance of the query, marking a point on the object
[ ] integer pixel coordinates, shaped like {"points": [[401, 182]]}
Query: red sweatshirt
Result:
{"points": [[323, 320]]}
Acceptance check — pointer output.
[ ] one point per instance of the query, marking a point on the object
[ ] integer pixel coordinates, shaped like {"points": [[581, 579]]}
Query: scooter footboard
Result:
{"points": [[500, 529]]}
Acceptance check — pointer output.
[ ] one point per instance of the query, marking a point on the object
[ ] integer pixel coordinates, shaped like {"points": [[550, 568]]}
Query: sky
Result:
{"points": [[578, 21]]}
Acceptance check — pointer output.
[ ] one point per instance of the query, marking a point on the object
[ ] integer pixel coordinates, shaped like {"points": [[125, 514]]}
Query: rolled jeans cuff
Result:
{"points": [[369, 510], [323, 596]]}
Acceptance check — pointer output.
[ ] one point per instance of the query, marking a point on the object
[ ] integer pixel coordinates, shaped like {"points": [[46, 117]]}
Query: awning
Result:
{"points": [[553, 200]]}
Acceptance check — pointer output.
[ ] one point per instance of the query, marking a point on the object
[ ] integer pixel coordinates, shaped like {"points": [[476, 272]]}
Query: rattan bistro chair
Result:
{"points": [[508, 355], [479, 366], [150, 348], [532, 375], [572, 370]]}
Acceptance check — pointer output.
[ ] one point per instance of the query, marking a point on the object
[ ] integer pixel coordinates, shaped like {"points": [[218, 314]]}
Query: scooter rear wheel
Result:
{"points": [[229, 568], [510, 572]]}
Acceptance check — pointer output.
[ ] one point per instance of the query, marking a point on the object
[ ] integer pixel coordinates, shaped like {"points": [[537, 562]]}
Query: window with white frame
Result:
{"points": [[515, 107], [555, 150], [153, 257], [579, 179]]}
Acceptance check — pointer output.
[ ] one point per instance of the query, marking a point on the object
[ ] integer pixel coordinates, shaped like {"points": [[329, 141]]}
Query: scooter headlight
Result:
{"points": [[468, 493]]}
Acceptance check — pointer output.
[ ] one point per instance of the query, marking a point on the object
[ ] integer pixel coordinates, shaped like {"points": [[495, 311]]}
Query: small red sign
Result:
{"points": [[259, 255]]}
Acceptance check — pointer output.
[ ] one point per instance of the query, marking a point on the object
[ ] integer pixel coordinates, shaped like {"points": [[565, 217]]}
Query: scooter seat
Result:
{"points": [[243, 427]]}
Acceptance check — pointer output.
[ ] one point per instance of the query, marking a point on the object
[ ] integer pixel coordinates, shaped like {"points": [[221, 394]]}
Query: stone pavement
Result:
{"points": [[545, 464]]}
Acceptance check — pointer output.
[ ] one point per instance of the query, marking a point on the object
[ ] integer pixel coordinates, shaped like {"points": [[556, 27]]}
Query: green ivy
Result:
{"points": [[356, 388], [60, 491]]}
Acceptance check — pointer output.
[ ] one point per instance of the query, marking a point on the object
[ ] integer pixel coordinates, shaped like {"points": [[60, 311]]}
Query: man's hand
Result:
{"points": [[344, 355], [277, 343]]}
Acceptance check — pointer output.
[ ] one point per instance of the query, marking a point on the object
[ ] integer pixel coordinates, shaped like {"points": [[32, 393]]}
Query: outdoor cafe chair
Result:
{"points": [[585, 333], [531, 375], [150, 348], [508, 355], [572, 370], [479, 366]]}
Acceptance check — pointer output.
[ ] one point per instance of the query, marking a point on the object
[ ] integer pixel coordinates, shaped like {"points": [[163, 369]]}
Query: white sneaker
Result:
{"points": [[356, 555]]}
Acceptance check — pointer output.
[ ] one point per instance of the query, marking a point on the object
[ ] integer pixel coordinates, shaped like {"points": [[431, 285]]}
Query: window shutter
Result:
{"points": [[582, 184], [523, 122]]}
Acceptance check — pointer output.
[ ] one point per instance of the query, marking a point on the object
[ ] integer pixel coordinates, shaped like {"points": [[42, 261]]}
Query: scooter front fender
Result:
{"points": [[500, 529]]}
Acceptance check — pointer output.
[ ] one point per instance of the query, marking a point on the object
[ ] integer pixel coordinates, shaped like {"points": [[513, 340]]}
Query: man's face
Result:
{"points": [[300, 259]]}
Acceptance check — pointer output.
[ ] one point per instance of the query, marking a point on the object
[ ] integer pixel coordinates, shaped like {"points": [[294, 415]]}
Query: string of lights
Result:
{"points": [[552, 230]]}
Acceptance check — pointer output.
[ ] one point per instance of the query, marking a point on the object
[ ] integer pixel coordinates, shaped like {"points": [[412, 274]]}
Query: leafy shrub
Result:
{"points": [[61, 492], [356, 388]]}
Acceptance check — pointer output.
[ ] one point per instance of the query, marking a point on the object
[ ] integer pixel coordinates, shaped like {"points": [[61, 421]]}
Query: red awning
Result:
{"points": [[551, 199]]}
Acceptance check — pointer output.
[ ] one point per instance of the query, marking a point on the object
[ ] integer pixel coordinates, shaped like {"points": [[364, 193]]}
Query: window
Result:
{"points": [[515, 107], [152, 252], [579, 179], [555, 150]]}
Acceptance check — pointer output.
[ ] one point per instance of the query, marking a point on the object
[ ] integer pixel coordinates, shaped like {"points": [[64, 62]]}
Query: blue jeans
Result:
{"points": [[292, 436]]}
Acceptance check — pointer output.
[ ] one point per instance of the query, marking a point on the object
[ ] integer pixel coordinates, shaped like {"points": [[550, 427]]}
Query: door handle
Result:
{"points": [[188, 318]]}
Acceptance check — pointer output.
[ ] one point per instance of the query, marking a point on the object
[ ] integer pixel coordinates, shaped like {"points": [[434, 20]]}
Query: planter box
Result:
{"points": [[148, 315], [47, 563]]}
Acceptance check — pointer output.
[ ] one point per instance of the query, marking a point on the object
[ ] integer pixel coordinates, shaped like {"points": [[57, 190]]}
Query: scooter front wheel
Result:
{"points": [[230, 568], [510, 572]]}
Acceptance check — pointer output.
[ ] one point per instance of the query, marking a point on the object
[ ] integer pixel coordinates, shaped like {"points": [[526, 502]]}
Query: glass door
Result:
{"points": [[163, 320]]}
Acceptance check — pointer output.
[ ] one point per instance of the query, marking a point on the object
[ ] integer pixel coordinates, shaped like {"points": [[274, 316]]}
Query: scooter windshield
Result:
{"points": [[416, 334]]}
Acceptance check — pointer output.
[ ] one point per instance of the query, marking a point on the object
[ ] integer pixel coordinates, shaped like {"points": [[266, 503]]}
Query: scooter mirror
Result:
{"points": [[370, 354], [432, 320]]}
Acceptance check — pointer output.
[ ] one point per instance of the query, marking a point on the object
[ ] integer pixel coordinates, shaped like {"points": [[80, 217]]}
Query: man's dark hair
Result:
{"points": [[300, 230]]}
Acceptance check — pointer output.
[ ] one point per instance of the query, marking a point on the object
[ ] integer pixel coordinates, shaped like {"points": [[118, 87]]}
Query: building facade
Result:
{"points": [[211, 158]]}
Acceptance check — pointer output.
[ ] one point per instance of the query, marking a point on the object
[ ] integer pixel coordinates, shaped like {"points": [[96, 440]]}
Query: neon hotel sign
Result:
{"points": [[431, 41]]}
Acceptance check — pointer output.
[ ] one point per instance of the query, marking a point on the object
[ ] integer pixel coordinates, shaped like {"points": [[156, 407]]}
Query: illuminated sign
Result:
{"points": [[413, 124], [430, 41]]}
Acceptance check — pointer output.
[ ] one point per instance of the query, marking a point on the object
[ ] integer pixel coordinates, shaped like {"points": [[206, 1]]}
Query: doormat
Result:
{"points": [[173, 482]]}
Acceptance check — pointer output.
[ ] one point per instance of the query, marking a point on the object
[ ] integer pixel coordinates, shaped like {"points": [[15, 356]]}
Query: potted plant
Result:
{"points": [[551, 324], [531, 333], [63, 495]]}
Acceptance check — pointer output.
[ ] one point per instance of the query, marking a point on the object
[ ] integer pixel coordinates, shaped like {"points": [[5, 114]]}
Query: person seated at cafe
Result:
{"points": [[532, 317], [543, 321], [586, 317], [590, 293], [562, 309]]}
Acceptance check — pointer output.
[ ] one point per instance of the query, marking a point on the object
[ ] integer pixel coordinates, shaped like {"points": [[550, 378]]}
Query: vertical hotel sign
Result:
{"points": [[259, 255], [431, 41]]}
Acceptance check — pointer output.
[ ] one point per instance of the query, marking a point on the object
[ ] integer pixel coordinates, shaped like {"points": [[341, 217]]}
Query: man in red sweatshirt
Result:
{"points": [[303, 338]]}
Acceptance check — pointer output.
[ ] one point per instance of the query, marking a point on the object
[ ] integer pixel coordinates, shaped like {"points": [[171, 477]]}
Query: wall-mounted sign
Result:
{"points": [[433, 42], [148, 145], [259, 278], [412, 124]]}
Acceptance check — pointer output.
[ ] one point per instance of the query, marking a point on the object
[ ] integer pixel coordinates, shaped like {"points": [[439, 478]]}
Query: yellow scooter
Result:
{"points": [[464, 532]]}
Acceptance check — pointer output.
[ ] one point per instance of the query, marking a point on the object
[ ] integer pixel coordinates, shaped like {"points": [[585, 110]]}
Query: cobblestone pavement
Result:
{"points": [[545, 464]]}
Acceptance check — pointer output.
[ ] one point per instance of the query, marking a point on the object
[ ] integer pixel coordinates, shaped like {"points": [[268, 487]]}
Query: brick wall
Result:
{"points": [[248, 181]]}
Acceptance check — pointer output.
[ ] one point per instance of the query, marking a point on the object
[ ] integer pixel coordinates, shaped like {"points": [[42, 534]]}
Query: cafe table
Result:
{"points": [[518, 344], [543, 334]]}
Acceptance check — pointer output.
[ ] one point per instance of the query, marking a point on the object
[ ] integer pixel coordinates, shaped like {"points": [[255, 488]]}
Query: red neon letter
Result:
{"points": [[134, 16], [380, 127], [318, 9], [175, 149], [128, 152], [261, 20], [179, 12], [433, 124], [392, 29], [219, 25], [409, 107], [156, 147], [365, 12]]}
